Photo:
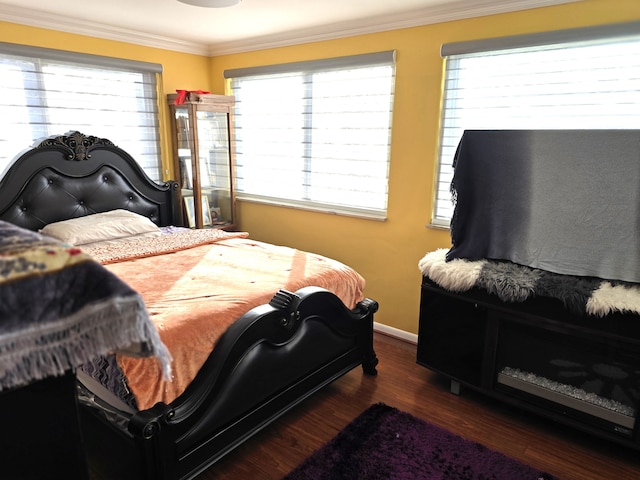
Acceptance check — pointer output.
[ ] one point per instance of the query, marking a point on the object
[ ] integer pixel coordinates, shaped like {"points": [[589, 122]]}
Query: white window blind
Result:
{"points": [[51, 92], [316, 134], [576, 79]]}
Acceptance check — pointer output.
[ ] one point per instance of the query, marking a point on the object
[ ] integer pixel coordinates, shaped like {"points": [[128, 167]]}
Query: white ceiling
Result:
{"points": [[251, 25]]}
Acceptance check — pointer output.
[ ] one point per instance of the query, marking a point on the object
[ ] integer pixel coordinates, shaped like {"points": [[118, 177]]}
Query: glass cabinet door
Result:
{"points": [[184, 172], [202, 164], [215, 178]]}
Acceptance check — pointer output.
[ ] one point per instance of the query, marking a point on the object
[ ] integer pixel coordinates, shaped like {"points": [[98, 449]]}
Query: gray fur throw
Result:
{"points": [[511, 282]]}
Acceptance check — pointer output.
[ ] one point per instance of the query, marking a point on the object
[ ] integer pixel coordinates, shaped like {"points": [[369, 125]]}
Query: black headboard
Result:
{"points": [[74, 175]]}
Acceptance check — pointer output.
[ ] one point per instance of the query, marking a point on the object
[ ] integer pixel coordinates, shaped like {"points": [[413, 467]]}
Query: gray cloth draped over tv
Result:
{"points": [[566, 201]]}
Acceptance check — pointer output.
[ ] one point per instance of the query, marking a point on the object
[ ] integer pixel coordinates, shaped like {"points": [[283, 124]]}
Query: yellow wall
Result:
{"points": [[385, 253]]}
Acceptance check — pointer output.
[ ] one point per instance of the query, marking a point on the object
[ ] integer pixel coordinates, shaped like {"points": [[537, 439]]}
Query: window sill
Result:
{"points": [[327, 209]]}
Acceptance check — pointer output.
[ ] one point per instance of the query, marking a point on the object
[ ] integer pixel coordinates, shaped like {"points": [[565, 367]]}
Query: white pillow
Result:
{"points": [[100, 227]]}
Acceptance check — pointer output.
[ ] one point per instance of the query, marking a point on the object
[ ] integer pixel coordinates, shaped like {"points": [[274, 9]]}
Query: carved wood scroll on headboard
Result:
{"points": [[78, 145]]}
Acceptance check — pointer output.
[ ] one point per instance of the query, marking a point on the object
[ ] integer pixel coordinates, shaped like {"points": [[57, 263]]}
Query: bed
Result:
{"points": [[537, 302], [280, 343]]}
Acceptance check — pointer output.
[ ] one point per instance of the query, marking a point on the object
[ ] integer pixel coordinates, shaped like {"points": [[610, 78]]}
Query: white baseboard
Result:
{"points": [[395, 332]]}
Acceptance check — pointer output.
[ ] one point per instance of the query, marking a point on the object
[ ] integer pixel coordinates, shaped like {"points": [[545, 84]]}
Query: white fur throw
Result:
{"points": [[457, 275]]}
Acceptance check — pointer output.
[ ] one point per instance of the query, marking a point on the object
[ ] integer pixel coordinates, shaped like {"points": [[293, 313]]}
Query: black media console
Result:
{"points": [[580, 370]]}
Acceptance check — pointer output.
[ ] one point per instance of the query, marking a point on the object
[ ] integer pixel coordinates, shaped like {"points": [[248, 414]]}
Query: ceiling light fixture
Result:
{"points": [[211, 3]]}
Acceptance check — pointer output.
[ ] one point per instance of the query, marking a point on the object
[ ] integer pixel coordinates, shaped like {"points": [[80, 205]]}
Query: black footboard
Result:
{"points": [[267, 362]]}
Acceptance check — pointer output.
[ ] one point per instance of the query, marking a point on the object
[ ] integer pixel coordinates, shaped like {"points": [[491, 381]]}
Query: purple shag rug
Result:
{"points": [[386, 443]]}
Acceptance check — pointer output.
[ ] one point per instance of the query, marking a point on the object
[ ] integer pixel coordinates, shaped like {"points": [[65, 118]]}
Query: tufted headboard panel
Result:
{"points": [[74, 175]]}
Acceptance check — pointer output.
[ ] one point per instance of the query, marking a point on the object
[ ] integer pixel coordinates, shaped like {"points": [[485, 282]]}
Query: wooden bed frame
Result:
{"points": [[300, 341]]}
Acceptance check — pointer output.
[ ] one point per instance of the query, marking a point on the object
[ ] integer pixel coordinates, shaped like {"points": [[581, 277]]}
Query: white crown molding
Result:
{"points": [[65, 23], [459, 10]]}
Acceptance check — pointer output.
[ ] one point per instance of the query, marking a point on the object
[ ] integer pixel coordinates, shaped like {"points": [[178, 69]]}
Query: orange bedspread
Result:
{"points": [[194, 294]]}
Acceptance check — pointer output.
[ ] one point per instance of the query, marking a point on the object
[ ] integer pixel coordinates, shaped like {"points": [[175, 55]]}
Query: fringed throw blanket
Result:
{"points": [[59, 308], [511, 282], [564, 201]]}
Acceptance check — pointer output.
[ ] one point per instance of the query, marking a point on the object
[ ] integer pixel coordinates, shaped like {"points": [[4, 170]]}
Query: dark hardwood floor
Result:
{"points": [[559, 450]]}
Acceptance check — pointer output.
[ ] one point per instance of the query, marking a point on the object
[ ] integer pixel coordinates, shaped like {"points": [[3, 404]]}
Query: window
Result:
{"points": [[51, 92], [316, 134], [576, 79]]}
